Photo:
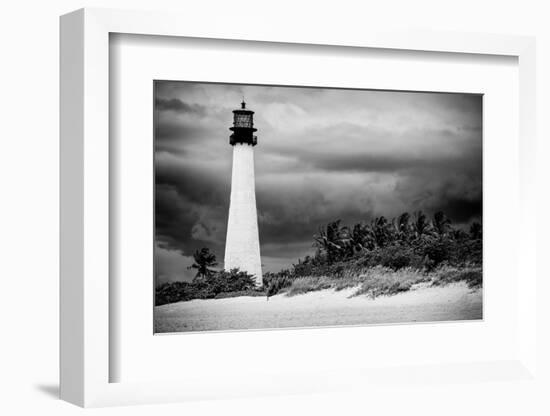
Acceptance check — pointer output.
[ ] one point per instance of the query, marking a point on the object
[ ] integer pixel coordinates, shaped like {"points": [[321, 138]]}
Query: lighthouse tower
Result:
{"points": [[242, 246]]}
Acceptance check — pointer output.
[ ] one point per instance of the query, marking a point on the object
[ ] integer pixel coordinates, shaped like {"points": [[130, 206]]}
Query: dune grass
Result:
{"points": [[382, 281], [472, 275]]}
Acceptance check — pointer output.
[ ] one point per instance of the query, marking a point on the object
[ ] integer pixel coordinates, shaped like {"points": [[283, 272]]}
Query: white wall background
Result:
{"points": [[29, 207]]}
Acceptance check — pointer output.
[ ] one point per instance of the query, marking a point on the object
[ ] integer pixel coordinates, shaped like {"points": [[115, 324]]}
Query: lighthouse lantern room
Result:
{"points": [[243, 126]]}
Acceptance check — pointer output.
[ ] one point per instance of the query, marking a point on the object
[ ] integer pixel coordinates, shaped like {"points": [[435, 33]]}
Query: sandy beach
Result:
{"points": [[322, 308]]}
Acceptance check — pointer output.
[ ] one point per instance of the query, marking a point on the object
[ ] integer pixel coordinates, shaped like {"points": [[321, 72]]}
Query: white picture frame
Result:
{"points": [[85, 221]]}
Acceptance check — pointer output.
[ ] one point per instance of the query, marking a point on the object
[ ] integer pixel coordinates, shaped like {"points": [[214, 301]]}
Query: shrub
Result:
{"points": [[394, 257], [231, 281], [435, 252], [175, 292], [274, 283], [205, 287]]}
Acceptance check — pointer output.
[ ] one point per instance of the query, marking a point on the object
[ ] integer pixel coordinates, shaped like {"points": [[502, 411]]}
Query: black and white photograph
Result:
{"points": [[296, 207]]}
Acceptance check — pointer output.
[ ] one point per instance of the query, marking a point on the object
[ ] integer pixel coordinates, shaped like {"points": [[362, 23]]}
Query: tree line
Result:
{"points": [[337, 242]]}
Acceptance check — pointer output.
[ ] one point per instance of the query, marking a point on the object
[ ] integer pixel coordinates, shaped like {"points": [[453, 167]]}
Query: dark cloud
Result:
{"points": [[462, 210], [322, 155], [384, 163], [179, 106], [190, 207]]}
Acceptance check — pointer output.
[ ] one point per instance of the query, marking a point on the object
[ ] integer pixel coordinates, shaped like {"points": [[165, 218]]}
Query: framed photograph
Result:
{"points": [[353, 207], [236, 208]]}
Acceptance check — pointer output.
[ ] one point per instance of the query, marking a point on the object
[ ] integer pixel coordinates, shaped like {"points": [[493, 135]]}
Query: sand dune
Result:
{"points": [[322, 308]]}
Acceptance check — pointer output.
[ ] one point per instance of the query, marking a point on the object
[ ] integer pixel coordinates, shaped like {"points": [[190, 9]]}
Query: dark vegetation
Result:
{"points": [[380, 258], [208, 283], [386, 257]]}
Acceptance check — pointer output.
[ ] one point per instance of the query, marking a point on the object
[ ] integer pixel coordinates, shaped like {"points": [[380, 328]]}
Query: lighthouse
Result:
{"points": [[242, 245]]}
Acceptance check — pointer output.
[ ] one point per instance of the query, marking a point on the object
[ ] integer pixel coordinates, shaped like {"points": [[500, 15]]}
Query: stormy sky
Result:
{"points": [[322, 154]]}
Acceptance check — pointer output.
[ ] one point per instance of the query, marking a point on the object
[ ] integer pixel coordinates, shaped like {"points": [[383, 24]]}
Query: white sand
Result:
{"points": [[322, 308]]}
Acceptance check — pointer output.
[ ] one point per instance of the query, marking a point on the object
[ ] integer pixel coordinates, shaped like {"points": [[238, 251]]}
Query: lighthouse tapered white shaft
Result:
{"points": [[242, 247]]}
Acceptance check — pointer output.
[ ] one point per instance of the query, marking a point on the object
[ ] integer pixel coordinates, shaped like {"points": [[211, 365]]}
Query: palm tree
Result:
{"points": [[381, 232], [335, 241], [402, 227], [441, 224], [323, 242], [203, 261], [421, 226], [362, 237]]}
